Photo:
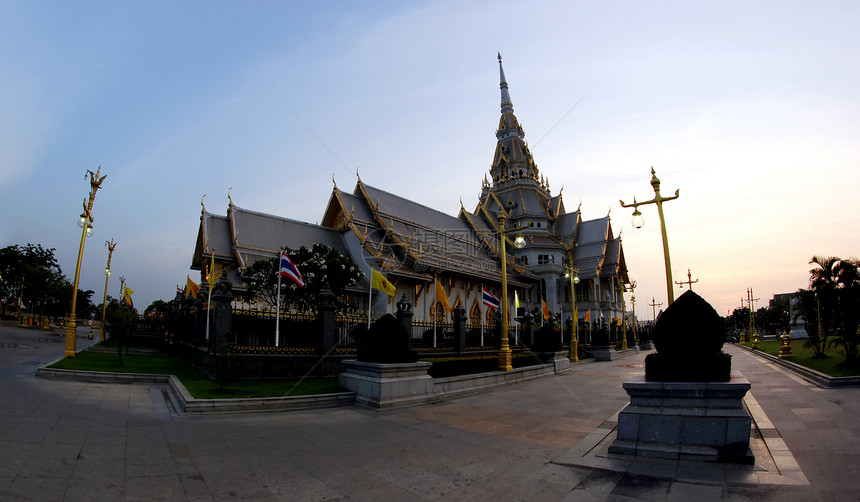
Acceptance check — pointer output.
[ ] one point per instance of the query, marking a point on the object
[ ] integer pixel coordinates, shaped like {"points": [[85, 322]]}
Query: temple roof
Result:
{"points": [[259, 235], [412, 240]]}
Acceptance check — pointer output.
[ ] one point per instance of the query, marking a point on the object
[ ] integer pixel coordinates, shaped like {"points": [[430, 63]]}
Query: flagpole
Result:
{"points": [[278, 302], [435, 307], [369, 297], [209, 296], [561, 321], [482, 314]]}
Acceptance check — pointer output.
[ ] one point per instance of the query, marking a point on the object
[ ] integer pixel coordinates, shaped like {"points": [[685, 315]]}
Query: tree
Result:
{"points": [[158, 308], [99, 308], [834, 298], [120, 320], [848, 309], [32, 274], [822, 305], [738, 321], [321, 266]]}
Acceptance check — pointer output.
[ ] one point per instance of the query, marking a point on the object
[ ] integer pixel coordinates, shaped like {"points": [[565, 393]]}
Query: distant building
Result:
{"points": [[413, 244]]}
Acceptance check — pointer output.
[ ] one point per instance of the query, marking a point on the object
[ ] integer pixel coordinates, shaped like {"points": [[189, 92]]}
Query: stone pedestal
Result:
{"points": [[686, 420], [388, 385], [559, 360], [602, 352]]}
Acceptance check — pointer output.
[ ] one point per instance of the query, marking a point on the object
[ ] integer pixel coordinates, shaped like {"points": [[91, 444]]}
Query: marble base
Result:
{"points": [[559, 360], [686, 421], [602, 352], [388, 386]]}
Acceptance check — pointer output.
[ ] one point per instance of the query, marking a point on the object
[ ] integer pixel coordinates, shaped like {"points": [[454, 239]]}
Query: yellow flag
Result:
{"points": [[126, 295], [441, 296], [545, 309], [516, 303], [212, 273], [191, 288], [588, 316], [378, 281]]}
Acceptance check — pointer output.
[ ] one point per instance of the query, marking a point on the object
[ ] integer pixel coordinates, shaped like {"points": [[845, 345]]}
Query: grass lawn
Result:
{"points": [[832, 365], [197, 383]]}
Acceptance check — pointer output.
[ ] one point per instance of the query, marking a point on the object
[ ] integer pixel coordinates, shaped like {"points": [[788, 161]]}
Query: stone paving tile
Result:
{"points": [[681, 491], [600, 481], [311, 489], [37, 489], [645, 488]]}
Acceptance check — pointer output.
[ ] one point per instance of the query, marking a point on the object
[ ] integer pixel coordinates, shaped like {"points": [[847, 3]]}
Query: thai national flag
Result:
{"points": [[490, 300], [289, 269]]}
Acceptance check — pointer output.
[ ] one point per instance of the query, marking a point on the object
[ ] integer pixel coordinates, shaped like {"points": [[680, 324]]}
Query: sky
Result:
{"points": [[750, 108]]}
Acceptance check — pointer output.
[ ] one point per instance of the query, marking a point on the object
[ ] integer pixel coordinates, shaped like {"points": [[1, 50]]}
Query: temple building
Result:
{"points": [[415, 246]]}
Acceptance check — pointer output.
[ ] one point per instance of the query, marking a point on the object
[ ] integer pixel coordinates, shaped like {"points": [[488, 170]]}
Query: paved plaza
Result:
{"points": [[540, 440]]}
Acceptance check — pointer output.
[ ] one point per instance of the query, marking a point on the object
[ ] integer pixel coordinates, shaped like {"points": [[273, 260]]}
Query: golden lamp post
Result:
{"points": [[86, 224], [633, 301], [638, 221], [754, 336], [519, 243], [573, 274], [624, 315], [110, 245], [654, 306]]}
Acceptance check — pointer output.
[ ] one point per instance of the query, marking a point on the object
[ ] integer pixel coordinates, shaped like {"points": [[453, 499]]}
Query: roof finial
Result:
{"points": [[507, 105], [228, 196]]}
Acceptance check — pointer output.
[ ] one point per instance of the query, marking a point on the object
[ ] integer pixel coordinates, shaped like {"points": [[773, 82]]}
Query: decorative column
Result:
{"points": [[404, 315], [460, 329], [222, 298], [326, 319]]}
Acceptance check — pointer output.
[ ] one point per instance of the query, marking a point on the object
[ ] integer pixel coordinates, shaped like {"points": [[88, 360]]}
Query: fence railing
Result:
{"points": [[301, 331]]}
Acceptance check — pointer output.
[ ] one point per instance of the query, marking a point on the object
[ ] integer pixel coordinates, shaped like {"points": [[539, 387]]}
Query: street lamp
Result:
{"points": [[573, 274], [110, 245], [638, 221], [754, 336], [86, 224], [633, 301], [519, 243], [624, 314]]}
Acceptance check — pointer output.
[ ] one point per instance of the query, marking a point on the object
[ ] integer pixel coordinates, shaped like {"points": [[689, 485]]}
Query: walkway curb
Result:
{"points": [[818, 378], [183, 402], [178, 396]]}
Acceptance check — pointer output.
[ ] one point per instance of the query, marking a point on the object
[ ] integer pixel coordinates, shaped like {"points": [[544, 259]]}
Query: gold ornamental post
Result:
{"points": [[110, 245], [654, 306], [573, 273], [689, 282], [633, 301], [754, 336], [86, 224], [638, 222], [624, 315], [519, 242]]}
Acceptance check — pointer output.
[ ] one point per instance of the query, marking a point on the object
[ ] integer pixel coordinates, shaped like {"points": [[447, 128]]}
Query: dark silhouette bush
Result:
{"points": [[546, 340], [689, 338], [387, 341]]}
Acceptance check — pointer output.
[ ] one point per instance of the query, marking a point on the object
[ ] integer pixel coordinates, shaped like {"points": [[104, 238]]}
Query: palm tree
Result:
{"points": [[847, 276], [822, 283]]}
